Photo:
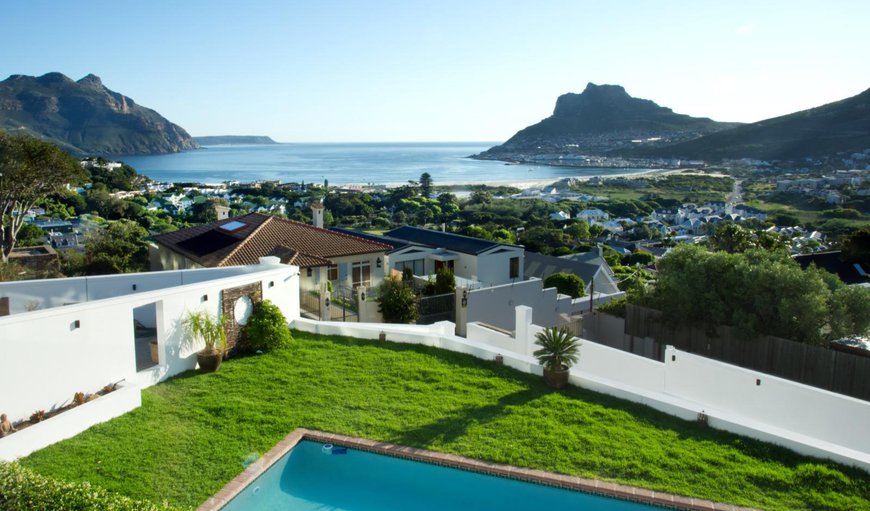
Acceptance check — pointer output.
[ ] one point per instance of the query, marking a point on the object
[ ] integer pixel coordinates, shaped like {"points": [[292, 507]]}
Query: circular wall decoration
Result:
{"points": [[243, 309]]}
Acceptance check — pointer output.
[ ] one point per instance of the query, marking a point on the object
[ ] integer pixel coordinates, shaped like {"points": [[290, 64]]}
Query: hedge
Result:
{"points": [[24, 490]]}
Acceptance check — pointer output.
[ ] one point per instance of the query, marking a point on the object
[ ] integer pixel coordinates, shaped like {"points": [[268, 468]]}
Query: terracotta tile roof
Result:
{"points": [[244, 239]]}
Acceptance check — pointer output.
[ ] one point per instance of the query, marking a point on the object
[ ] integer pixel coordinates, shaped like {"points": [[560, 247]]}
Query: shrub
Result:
{"points": [[267, 328], [24, 490], [567, 284], [445, 282], [614, 307], [397, 302], [641, 258]]}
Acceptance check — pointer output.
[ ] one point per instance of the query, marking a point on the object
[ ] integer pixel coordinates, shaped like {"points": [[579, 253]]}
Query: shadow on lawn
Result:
{"points": [[449, 429]]}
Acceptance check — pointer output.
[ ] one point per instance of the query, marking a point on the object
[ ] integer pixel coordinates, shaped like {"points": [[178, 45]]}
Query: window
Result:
{"points": [[361, 273], [332, 272], [417, 266], [515, 268]]}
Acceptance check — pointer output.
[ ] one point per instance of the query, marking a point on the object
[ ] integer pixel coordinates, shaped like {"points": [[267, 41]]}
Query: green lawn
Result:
{"points": [[193, 432]]}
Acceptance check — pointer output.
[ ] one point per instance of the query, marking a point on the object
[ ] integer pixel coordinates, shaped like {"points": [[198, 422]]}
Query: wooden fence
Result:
{"points": [[818, 366]]}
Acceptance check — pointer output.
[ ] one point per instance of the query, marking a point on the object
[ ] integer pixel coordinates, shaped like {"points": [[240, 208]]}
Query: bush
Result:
{"points": [[445, 282], [267, 328], [24, 490], [397, 302], [614, 307], [567, 284]]}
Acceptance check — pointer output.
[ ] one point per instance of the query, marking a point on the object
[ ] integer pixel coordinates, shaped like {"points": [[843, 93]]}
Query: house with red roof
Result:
{"points": [[344, 260]]}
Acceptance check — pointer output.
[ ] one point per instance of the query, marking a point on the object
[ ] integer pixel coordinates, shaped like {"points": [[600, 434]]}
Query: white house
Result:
{"points": [[488, 263]]}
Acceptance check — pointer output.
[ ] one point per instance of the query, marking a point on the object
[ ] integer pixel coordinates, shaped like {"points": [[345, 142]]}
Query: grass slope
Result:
{"points": [[193, 432]]}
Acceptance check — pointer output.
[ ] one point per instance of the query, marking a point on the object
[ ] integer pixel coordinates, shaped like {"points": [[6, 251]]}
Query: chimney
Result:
{"points": [[317, 214], [222, 212]]}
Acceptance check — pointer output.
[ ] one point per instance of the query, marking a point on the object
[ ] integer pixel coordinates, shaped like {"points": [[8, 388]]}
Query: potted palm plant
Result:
{"points": [[211, 330], [559, 351]]}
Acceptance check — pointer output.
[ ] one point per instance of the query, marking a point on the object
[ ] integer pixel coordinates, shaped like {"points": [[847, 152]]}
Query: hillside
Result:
{"points": [[839, 127], [234, 139], [605, 118], [84, 117]]}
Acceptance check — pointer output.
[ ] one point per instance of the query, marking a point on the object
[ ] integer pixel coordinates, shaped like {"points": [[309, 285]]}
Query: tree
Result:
{"points": [[30, 170], [480, 197], [426, 185], [850, 311], [445, 282], [119, 248], [30, 235], [758, 292], [396, 302], [566, 284], [856, 248], [731, 238], [579, 230], [639, 257]]}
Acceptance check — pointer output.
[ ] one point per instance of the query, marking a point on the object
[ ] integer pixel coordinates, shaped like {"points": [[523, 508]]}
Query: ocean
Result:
{"points": [[375, 163]]}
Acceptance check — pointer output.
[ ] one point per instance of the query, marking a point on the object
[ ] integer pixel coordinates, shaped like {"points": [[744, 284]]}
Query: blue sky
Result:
{"points": [[411, 70]]}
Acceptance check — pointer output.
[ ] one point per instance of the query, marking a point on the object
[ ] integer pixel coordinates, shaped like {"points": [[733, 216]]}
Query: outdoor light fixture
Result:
{"points": [[204, 298], [362, 296], [271, 283], [76, 324], [464, 298], [326, 302], [378, 262], [134, 287]]}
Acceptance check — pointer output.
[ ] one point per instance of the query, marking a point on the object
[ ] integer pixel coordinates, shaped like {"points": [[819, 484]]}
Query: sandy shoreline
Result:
{"points": [[534, 183]]}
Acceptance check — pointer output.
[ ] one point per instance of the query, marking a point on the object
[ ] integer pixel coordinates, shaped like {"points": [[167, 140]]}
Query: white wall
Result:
{"points": [[810, 411], [805, 419], [495, 305], [43, 351], [494, 268], [71, 422], [464, 266], [47, 293]]}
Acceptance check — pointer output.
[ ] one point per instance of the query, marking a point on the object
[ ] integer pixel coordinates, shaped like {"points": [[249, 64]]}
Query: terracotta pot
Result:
{"points": [[209, 362], [556, 378]]}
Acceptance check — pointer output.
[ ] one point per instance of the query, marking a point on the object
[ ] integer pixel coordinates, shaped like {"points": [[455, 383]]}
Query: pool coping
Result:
{"points": [[593, 486]]}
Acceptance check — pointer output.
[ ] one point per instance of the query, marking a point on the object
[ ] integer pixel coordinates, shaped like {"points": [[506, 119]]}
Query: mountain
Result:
{"points": [[839, 127], [234, 139], [601, 119], [84, 117]]}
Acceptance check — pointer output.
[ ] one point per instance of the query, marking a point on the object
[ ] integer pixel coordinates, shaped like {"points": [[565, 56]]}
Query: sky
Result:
{"points": [[413, 70]]}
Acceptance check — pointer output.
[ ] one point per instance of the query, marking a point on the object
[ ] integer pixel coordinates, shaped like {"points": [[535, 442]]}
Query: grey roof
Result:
{"points": [[832, 262], [396, 243], [450, 241], [542, 266]]}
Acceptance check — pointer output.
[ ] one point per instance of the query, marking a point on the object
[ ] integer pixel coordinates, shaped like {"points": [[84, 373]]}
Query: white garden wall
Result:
{"points": [[806, 410], [48, 355], [71, 422], [805, 419]]}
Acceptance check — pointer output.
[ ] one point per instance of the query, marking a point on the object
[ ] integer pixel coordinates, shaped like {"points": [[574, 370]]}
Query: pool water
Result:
{"points": [[308, 479]]}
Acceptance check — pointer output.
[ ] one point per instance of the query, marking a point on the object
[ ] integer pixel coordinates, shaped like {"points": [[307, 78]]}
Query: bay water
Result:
{"points": [[350, 163]]}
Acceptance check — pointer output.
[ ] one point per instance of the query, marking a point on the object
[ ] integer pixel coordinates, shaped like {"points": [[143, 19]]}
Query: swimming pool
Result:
{"points": [[310, 477]]}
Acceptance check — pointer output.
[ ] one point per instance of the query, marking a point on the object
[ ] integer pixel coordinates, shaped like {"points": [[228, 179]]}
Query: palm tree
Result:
{"points": [[559, 351]]}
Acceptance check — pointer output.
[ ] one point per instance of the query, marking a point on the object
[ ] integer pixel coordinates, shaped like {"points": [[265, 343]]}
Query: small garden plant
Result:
{"points": [[210, 330], [267, 328]]}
